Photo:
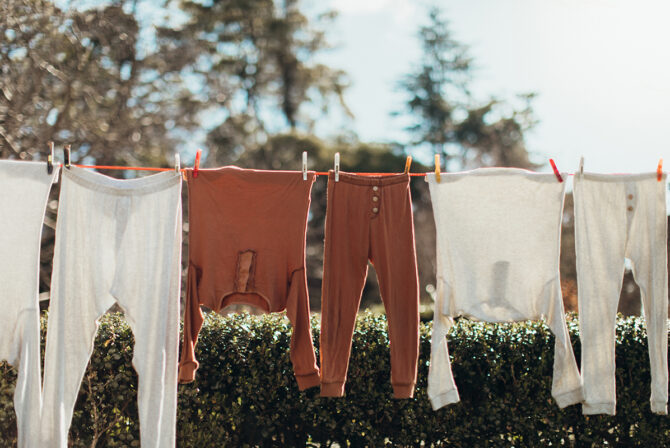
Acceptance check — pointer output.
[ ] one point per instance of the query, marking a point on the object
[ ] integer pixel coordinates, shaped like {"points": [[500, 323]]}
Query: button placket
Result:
{"points": [[630, 197], [375, 199]]}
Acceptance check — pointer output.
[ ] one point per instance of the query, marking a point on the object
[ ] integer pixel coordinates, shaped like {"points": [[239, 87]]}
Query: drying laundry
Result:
{"points": [[369, 218], [117, 242], [617, 217], [498, 237], [25, 189], [247, 246]]}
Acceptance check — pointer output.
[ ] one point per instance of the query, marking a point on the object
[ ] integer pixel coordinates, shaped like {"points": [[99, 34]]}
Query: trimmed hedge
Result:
{"points": [[245, 393]]}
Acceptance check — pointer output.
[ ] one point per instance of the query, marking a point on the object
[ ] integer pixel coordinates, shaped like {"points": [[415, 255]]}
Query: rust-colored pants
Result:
{"points": [[369, 218]]}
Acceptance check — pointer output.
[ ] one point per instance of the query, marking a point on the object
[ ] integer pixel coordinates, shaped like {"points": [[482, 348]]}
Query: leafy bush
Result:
{"points": [[245, 393]]}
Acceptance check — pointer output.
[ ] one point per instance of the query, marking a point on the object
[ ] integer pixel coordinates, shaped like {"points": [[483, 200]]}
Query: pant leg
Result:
{"points": [[647, 243], [394, 259], [600, 235], [83, 263], [25, 189], [344, 271], [28, 392], [147, 286]]}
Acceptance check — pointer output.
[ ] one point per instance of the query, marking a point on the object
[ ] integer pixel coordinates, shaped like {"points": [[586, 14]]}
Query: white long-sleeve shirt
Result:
{"points": [[498, 245]]}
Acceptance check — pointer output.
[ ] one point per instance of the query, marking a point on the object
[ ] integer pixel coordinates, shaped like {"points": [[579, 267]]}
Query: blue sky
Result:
{"points": [[600, 68]]}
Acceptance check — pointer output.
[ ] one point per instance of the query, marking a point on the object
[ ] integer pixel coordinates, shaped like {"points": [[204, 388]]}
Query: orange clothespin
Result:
{"points": [[407, 164], [437, 168], [196, 165], [659, 171], [558, 175]]}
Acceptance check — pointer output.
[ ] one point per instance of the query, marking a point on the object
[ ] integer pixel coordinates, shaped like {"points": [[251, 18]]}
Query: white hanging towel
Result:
{"points": [[25, 189], [498, 245], [617, 217]]}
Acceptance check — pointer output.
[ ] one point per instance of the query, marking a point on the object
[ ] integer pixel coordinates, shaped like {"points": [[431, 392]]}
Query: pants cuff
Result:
{"points": [[599, 408], [441, 400], [403, 390], [307, 381], [659, 407], [332, 389], [569, 398]]}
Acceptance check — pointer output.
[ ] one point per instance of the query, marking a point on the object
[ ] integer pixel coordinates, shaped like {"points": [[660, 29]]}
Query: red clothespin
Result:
{"points": [[659, 171], [558, 175], [196, 165]]}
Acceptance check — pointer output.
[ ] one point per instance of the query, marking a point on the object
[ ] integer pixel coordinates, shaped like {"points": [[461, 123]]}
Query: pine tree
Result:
{"points": [[447, 120]]}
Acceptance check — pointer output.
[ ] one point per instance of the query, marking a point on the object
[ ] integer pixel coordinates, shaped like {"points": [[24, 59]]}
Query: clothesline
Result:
{"points": [[318, 173], [196, 166], [148, 168]]}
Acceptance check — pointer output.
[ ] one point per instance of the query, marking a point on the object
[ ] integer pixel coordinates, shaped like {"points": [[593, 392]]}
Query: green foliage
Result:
{"points": [[245, 393]]}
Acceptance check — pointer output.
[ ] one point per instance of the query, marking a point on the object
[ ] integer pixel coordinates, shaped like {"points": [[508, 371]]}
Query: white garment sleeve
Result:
{"points": [[566, 386], [441, 386]]}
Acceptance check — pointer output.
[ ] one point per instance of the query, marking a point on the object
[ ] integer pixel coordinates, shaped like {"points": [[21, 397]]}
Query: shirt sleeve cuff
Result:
{"points": [[187, 371], [443, 399]]}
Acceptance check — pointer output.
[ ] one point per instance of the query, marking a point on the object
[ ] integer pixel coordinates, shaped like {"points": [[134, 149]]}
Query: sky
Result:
{"points": [[601, 69]]}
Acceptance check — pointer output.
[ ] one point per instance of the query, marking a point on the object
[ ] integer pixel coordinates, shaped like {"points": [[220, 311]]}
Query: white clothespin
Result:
{"points": [[50, 158], [304, 165], [337, 167], [177, 163], [66, 156], [581, 165]]}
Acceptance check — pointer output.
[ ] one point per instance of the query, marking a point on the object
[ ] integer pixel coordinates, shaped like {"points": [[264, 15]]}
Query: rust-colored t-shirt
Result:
{"points": [[247, 245]]}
